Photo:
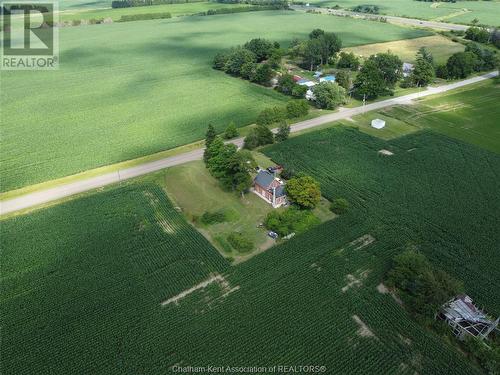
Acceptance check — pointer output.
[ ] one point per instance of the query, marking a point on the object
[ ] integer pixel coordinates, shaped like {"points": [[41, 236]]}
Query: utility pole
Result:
{"points": [[364, 102]]}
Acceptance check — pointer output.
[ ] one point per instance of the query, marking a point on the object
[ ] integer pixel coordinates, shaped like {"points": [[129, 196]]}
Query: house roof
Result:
{"points": [[462, 308], [280, 191], [329, 78], [264, 178]]}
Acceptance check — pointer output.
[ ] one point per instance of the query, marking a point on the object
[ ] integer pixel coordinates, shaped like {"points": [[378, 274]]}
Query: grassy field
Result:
{"points": [[458, 12], [440, 47], [470, 114], [85, 280], [133, 89], [174, 9], [195, 191], [83, 4]]}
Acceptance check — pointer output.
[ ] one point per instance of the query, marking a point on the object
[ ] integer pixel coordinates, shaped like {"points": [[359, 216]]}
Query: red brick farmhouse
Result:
{"points": [[269, 188]]}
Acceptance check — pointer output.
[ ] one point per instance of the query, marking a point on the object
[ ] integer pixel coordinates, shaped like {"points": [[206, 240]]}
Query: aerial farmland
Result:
{"points": [[251, 187]]}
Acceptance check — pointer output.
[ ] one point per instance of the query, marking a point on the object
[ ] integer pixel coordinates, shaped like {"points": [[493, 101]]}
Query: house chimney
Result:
{"points": [[274, 196]]}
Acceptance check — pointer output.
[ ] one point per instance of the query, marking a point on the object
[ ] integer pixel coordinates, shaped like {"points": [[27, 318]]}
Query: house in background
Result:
{"points": [[270, 188], [330, 78], [407, 69], [465, 318], [306, 82]]}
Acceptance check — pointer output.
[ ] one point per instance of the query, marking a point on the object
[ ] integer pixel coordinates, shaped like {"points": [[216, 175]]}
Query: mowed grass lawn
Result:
{"points": [[191, 188], [459, 12], [440, 47], [131, 89]]}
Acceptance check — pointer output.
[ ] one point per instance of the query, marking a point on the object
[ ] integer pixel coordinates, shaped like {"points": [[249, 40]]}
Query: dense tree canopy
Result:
{"points": [[261, 48], [370, 83], [390, 66], [304, 191], [329, 95], [422, 287], [348, 60]]}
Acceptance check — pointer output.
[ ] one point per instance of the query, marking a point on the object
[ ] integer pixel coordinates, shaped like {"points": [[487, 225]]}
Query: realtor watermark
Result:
{"points": [[274, 369], [30, 38]]}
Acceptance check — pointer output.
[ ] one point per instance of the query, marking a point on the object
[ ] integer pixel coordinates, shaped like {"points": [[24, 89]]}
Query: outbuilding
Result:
{"points": [[378, 123], [330, 78], [306, 82]]}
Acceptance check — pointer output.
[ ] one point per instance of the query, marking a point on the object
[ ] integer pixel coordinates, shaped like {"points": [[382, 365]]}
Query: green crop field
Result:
{"points": [[173, 9], [434, 192], [83, 281], [458, 12], [131, 89]]}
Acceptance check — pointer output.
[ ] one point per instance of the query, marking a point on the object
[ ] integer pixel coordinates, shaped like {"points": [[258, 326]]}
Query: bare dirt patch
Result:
{"points": [[363, 330], [381, 288], [355, 281], [386, 152], [214, 278], [358, 243]]}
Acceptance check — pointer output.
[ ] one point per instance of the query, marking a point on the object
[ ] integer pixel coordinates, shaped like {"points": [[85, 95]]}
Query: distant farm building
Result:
{"points": [[270, 188], [378, 123], [407, 69], [330, 78], [310, 95], [306, 82], [465, 318]]}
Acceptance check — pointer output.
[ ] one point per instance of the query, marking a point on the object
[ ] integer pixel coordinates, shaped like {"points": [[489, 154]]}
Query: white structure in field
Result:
{"points": [[378, 123]]}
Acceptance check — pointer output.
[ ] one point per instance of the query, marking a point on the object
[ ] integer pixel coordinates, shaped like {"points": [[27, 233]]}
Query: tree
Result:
{"points": [[426, 55], [261, 48], [286, 84], [311, 52], [259, 136], [422, 287], [248, 70], [303, 191], [236, 59], [299, 91], [209, 138], [461, 64], [316, 33], [263, 74], [215, 149], [478, 34], [348, 61], [486, 59], [339, 206], [297, 108], [270, 116], [275, 58], [343, 79], [370, 83], [329, 95], [390, 66], [220, 60], [236, 176], [330, 44], [423, 72], [283, 132], [231, 131]]}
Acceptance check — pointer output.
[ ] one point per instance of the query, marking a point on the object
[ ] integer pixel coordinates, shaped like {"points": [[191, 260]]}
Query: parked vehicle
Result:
{"points": [[273, 235]]}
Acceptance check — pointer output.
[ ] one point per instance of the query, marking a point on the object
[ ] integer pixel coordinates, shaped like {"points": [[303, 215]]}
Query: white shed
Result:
{"points": [[378, 123]]}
